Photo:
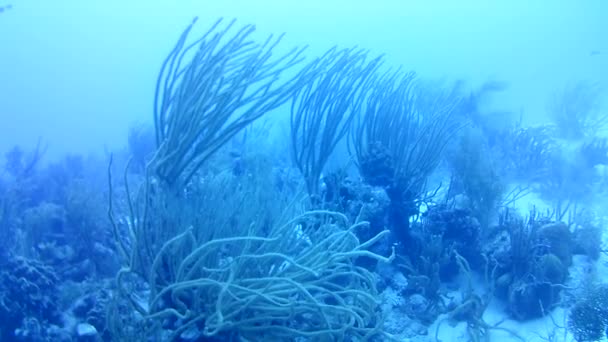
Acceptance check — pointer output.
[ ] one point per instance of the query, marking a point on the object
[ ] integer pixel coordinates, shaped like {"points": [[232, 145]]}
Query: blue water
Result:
{"points": [[492, 169]]}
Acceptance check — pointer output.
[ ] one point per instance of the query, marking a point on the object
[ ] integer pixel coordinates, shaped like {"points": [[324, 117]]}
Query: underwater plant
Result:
{"points": [[471, 308], [459, 231], [475, 180], [524, 154], [217, 251], [576, 111], [594, 152], [569, 182], [20, 190], [201, 103], [322, 111], [587, 233], [298, 279], [439, 239], [20, 164], [588, 317], [141, 146], [530, 257], [398, 139]]}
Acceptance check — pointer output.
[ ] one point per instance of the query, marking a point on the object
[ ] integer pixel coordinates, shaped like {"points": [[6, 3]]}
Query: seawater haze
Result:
{"points": [[77, 73]]}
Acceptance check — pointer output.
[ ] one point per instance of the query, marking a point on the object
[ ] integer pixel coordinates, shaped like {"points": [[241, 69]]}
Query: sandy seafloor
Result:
{"points": [[549, 328]]}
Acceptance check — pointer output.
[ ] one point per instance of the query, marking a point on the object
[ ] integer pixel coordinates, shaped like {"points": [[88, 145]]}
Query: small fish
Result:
{"points": [[594, 53]]}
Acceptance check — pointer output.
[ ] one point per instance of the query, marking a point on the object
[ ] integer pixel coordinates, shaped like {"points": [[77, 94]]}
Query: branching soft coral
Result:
{"points": [[577, 111], [298, 280]]}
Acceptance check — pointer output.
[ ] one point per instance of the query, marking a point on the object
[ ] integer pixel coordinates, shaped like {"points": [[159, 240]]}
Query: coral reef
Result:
{"points": [[399, 210], [589, 316], [28, 297]]}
